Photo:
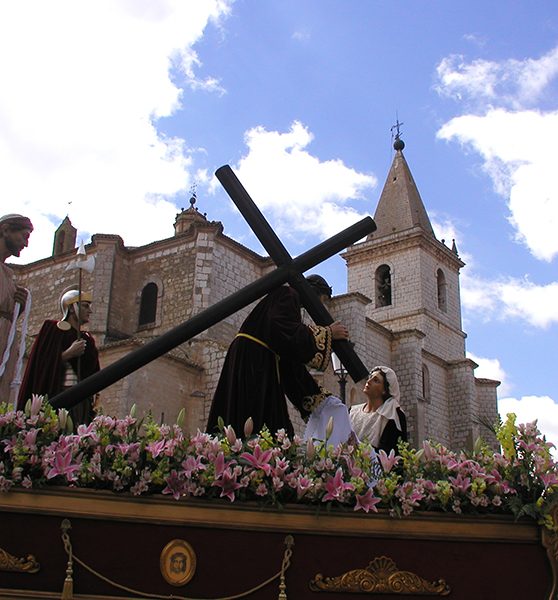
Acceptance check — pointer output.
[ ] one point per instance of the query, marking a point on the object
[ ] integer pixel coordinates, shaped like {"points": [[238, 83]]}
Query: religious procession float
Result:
{"points": [[128, 508], [125, 508]]}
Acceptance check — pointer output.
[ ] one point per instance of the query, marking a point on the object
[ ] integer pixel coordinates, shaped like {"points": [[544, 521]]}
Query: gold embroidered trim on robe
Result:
{"points": [[322, 339], [311, 403]]}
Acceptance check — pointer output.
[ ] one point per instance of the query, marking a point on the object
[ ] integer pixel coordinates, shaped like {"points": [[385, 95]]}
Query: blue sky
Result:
{"points": [[112, 110]]}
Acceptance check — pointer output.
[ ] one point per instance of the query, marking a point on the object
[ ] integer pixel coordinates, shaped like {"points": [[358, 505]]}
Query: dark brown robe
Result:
{"points": [[266, 361]]}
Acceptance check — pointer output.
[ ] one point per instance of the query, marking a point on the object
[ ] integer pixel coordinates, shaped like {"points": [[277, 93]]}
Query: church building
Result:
{"points": [[402, 308]]}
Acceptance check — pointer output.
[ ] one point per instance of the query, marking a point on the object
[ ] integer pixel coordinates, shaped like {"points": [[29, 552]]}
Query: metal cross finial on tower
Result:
{"points": [[398, 143]]}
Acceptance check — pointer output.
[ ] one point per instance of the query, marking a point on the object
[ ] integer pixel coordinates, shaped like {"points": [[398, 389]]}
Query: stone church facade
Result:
{"points": [[402, 308]]}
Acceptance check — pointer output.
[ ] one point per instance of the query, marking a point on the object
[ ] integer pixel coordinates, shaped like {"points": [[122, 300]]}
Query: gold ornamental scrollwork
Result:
{"points": [[550, 543], [11, 563], [381, 576]]}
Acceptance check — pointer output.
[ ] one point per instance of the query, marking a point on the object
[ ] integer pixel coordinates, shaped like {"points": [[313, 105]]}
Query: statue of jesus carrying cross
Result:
{"points": [[288, 270]]}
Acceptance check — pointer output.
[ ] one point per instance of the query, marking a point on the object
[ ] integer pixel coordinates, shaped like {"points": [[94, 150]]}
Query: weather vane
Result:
{"points": [[193, 196]]}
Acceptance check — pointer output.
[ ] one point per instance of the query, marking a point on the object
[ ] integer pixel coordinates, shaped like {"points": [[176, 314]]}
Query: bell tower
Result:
{"points": [[412, 280], [411, 277]]}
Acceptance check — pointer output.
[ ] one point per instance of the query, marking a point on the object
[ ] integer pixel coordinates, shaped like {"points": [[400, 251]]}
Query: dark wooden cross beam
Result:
{"points": [[282, 258], [288, 270]]}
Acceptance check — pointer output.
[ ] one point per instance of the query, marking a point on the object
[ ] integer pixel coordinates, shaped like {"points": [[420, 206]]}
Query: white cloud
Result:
{"points": [[543, 409], [301, 193], [301, 35], [512, 83], [490, 368], [520, 299], [499, 298], [446, 230], [81, 94], [521, 168], [510, 138]]}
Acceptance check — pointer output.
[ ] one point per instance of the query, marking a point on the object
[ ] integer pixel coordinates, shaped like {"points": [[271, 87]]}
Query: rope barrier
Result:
{"points": [[67, 593]]}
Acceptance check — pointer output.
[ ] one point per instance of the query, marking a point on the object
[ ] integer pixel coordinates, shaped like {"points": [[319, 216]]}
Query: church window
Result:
{"points": [[383, 286], [442, 290], [148, 305]]}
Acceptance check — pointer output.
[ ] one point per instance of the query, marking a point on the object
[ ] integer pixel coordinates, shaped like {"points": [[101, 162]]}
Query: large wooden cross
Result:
{"points": [[288, 270]]}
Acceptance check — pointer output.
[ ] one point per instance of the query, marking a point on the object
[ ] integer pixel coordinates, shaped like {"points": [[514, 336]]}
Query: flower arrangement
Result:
{"points": [[38, 448]]}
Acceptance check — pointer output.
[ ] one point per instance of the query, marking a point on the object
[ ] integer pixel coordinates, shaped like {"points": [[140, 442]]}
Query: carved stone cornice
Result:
{"points": [[381, 576], [11, 563]]}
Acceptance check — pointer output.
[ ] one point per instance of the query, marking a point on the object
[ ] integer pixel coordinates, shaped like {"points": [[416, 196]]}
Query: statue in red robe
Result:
{"points": [[62, 355]]}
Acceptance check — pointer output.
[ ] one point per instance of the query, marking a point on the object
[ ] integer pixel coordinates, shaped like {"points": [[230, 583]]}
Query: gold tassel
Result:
{"points": [[289, 542], [68, 589]]}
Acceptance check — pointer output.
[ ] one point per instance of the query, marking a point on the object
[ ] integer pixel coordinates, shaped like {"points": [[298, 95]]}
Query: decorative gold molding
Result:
{"points": [[381, 576], [550, 542], [8, 562]]}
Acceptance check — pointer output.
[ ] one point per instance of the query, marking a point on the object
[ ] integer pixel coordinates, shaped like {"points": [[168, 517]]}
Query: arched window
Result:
{"points": [[148, 304], [383, 286], [442, 290]]}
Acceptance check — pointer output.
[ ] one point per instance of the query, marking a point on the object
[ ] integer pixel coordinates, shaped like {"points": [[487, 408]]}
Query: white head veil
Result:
{"points": [[370, 426]]}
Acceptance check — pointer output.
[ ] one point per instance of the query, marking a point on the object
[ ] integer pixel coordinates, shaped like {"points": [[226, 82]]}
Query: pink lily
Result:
{"points": [[335, 487], [387, 461], [230, 434], [192, 464], [156, 448], [228, 484], [248, 427], [63, 465], [259, 459], [30, 438], [175, 485], [303, 484], [461, 483], [36, 403], [367, 501], [548, 479]]}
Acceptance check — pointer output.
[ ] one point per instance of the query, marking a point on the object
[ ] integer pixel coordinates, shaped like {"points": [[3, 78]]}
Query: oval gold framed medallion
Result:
{"points": [[178, 562]]}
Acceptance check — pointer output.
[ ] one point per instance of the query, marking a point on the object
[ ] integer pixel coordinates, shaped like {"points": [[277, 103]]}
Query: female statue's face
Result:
{"points": [[375, 384]]}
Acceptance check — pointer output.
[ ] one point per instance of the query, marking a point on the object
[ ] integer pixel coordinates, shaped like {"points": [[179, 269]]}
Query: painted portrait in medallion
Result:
{"points": [[178, 562]]}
